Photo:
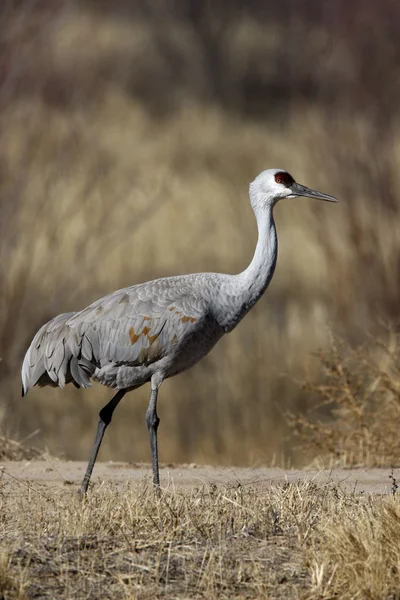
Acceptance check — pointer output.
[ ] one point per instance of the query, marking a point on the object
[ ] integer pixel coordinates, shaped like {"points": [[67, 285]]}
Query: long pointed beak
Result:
{"points": [[302, 190]]}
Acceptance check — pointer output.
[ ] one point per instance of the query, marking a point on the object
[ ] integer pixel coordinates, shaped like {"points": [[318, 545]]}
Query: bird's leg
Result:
{"points": [[105, 416], [153, 422]]}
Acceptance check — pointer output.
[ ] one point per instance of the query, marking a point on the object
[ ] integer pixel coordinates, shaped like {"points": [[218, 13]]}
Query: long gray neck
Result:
{"points": [[239, 293]]}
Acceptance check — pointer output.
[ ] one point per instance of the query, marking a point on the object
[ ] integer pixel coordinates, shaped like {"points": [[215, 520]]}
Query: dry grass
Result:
{"points": [[128, 138], [356, 551], [355, 407], [97, 195], [290, 541]]}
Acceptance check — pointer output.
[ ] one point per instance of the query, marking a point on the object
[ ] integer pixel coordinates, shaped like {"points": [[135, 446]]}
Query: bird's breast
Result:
{"points": [[195, 345]]}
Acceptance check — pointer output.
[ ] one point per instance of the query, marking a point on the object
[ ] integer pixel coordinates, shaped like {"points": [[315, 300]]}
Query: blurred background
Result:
{"points": [[129, 133]]}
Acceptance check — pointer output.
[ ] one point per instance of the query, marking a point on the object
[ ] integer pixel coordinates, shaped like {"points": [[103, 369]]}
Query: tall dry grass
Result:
{"points": [[129, 136]]}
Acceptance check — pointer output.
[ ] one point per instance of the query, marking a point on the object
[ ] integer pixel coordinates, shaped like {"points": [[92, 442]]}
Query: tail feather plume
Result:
{"points": [[51, 359]]}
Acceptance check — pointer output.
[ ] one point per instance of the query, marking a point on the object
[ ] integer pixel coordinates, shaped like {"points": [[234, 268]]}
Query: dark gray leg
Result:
{"points": [[153, 422], [105, 417]]}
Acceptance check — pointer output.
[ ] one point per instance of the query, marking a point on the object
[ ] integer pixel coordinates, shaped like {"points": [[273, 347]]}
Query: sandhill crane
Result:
{"points": [[154, 330]]}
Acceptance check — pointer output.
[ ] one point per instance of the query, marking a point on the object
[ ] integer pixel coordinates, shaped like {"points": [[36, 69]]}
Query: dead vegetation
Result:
{"points": [[355, 404], [17, 450], [129, 133], [287, 541]]}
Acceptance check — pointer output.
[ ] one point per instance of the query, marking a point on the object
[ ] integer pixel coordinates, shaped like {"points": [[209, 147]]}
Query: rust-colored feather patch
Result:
{"points": [[133, 336], [185, 319]]}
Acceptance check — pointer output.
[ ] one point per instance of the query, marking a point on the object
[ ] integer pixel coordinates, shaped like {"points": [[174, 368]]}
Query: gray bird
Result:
{"points": [[154, 330]]}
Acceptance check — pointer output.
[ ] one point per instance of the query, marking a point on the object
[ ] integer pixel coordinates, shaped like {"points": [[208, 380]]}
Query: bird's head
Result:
{"points": [[274, 184]]}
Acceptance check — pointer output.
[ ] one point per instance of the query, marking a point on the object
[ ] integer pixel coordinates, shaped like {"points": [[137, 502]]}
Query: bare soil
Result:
{"points": [[54, 473]]}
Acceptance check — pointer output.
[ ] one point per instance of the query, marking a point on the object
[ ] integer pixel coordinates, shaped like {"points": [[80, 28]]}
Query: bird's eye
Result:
{"points": [[284, 179]]}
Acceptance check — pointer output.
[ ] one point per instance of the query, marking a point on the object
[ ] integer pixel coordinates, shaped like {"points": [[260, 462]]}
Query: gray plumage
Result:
{"points": [[154, 330], [122, 339]]}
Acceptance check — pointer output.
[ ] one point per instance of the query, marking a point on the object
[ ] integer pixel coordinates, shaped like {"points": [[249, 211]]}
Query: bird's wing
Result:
{"points": [[137, 325], [134, 326]]}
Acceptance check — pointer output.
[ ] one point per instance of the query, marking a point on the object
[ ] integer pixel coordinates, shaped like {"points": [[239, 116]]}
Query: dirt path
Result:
{"points": [[59, 473]]}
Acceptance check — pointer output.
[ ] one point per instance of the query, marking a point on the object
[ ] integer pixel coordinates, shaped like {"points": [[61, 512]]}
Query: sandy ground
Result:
{"points": [[60, 473]]}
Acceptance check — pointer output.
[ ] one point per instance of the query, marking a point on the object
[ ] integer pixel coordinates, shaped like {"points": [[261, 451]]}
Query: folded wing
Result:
{"points": [[135, 326]]}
